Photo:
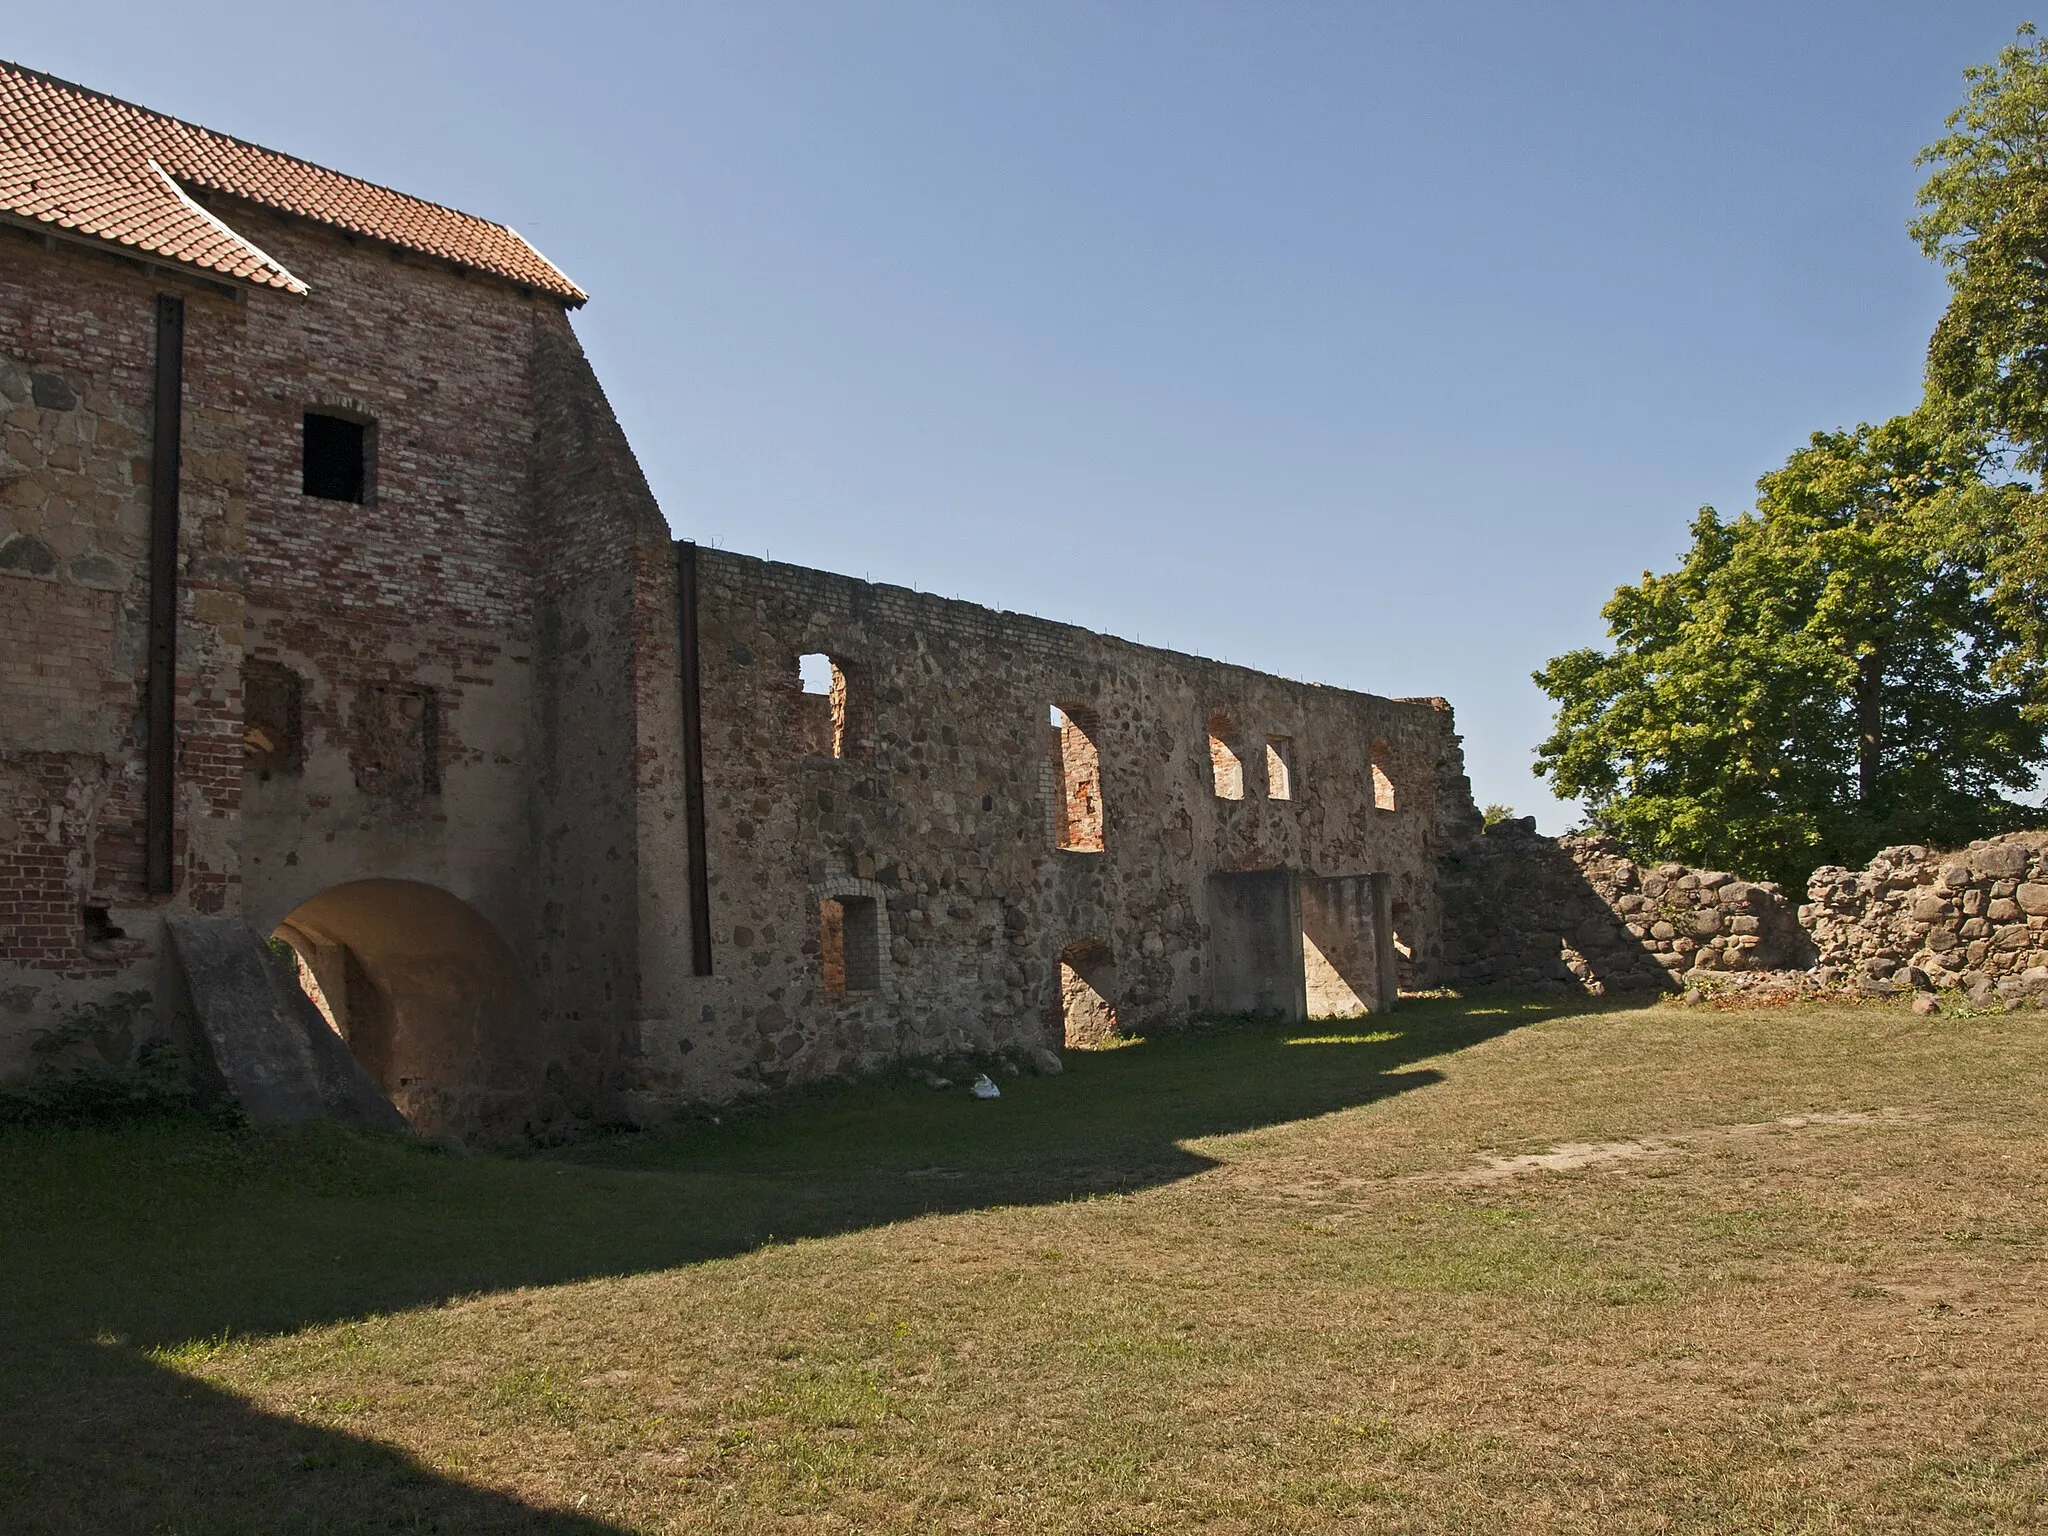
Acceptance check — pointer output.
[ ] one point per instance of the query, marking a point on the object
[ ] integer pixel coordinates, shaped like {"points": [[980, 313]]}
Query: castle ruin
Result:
{"points": [[332, 599]]}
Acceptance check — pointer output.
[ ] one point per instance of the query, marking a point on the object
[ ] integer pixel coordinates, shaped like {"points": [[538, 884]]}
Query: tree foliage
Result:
{"points": [[1984, 217], [1823, 676]]}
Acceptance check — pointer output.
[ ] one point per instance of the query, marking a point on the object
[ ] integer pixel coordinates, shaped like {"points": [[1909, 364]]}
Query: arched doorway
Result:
{"points": [[430, 999], [1088, 990]]}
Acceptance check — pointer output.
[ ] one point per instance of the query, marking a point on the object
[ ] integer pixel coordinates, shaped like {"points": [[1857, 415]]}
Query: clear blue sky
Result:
{"points": [[1368, 343]]}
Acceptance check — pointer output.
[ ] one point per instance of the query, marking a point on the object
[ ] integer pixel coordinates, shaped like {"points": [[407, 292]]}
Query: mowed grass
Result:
{"points": [[1249, 1280]]}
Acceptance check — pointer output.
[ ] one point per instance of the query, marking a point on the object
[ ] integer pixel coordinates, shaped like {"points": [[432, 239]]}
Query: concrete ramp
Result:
{"points": [[268, 1042]]}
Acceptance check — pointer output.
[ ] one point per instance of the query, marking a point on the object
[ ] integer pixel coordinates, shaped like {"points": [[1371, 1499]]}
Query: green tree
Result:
{"points": [[1984, 217], [1819, 678]]}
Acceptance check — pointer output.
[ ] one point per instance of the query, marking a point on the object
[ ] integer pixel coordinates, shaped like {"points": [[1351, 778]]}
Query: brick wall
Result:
{"points": [[77, 338], [468, 648]]}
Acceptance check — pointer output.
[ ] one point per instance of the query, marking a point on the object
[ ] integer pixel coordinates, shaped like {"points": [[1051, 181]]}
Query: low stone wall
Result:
{"points": [[1975, 919], [1526, 910]]}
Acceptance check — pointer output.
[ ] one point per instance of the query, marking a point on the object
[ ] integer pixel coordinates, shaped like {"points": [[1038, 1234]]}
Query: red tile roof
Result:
{"points": [[89, 164]]}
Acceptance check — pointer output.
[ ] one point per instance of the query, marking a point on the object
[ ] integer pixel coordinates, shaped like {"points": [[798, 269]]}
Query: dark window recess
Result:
{"points": [[397, 747], [850, 944], [337, 462], [272, 735]]}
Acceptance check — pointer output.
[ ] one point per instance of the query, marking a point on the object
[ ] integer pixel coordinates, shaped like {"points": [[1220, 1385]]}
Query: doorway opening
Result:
{"points": [[1088, 992], [430, 999]]}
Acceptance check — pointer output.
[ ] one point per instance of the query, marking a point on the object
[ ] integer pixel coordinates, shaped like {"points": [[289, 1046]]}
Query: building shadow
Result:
{"points": [[128, 1240], [1519, 912], [114, 1444]]}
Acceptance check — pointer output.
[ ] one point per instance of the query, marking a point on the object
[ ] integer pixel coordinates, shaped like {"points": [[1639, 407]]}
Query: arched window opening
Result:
{"points": [[1226, 766], [1077, 781]]}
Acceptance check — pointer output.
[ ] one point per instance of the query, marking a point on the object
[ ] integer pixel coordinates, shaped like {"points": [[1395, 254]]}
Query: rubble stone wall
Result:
{"points": [[938, 831], [1526, 910], [1975, 919]]}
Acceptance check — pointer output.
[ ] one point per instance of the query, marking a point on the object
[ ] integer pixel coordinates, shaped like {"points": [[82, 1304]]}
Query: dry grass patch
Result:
{"points": [[1495, 1268]]}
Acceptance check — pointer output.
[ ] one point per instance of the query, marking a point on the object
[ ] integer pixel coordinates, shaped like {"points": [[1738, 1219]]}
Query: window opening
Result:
{"points": [[850, 944], [1279, 768], [830, 716], [1404, 952], [1077, 781], [1382, 779], [336, 464], [1226, 768]]}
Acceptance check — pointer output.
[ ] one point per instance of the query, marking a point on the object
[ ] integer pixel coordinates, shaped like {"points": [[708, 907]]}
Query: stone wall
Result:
{"points": [[438, 733], [77, 343], [1526, 910], [1975, 919], [950, 833]]}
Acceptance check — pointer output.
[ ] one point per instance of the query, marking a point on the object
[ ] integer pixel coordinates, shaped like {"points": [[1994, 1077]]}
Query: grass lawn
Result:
{"points": [[1497, 1267]]}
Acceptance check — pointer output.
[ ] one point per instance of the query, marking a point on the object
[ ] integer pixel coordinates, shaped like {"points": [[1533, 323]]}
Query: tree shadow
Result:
{"points": [[123, 1240]]}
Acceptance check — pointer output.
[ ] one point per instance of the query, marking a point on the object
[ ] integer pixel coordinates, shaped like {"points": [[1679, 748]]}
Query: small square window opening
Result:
{"points": [[336, 464]]}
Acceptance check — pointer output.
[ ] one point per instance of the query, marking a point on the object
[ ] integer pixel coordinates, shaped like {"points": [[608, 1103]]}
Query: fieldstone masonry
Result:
{"points": [[1001, 863], [1975, 919], [1524, 910]]}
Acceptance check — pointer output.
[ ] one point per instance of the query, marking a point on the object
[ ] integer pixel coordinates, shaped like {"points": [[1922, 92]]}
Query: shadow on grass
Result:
{"points": [[120, 1240]]}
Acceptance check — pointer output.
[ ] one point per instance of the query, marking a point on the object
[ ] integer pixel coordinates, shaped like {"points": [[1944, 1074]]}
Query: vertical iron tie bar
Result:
{"points": [[159, 797]]}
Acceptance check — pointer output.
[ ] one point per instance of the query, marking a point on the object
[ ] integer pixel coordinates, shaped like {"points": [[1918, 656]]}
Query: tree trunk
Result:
{"points": [[1869, 722]]}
